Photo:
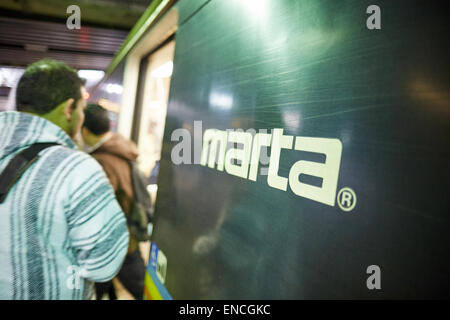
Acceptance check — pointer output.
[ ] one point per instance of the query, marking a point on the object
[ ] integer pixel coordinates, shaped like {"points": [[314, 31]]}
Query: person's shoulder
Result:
{"points": [[78, 162], [71, 169]]}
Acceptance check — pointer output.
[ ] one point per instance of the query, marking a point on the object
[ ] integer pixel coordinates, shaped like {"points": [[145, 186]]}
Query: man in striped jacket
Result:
{"points": [[61, 228]]}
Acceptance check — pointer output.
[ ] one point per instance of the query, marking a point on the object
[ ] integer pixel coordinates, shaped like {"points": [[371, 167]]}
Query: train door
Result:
{"points": [[151, 108], [150, 116]]}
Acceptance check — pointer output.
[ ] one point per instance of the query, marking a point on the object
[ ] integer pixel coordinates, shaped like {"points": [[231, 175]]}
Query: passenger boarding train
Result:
{"points": [[302, 146]]}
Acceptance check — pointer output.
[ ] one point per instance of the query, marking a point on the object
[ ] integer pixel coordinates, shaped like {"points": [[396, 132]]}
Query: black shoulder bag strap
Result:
{"points": [[18, 165]]}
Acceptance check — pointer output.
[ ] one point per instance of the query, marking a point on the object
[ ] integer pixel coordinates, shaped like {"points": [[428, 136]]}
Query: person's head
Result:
{"points": [[52, 90], [96, 123]]}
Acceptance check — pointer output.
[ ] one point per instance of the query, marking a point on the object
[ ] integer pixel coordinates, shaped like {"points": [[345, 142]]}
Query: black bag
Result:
{"points": [[140, 215]]}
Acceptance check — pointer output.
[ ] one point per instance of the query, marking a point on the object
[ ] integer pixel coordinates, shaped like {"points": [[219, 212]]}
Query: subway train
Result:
{"points": [[301, 146]]}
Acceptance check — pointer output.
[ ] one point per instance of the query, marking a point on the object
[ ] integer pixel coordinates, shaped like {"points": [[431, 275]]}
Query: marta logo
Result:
{"points": [[243, 162]]}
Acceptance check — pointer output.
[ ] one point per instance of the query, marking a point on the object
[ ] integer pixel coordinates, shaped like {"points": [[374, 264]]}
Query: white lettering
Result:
{"points": [[374, 281], [242, 155], [248, 156], [212, 138], [279, 141], [74, 20], [374, 21], [183, 147], [328, 171], [260, 139]]}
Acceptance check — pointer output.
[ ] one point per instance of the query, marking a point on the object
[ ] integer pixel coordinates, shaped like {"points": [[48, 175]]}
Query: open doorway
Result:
{"points": [[151, 109], [151, 114]]}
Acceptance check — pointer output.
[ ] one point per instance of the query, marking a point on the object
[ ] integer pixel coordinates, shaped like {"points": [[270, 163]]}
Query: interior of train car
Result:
{"points": [[291, 149]]}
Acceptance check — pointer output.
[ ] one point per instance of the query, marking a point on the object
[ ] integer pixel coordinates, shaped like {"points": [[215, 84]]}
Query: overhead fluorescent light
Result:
{"points": [[9, 76], [89, 74], [114, 88], [92, 76]]}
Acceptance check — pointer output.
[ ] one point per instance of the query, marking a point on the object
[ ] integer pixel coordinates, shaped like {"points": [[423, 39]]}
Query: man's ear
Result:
{"points": [[68, 108]]}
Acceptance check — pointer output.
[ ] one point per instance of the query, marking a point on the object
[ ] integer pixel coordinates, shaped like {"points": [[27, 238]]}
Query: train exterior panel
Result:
{"points": [[350, 195]]}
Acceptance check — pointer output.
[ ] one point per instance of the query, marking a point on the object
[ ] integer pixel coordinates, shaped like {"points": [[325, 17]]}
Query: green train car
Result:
{"points": [[302, 145]]}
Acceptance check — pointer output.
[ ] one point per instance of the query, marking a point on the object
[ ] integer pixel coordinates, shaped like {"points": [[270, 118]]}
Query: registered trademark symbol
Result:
{"points": [[346, 199]]}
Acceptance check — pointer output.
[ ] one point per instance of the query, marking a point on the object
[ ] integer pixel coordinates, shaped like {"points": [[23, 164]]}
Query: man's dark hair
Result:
{"points": [[96, 119], [45, 84]]}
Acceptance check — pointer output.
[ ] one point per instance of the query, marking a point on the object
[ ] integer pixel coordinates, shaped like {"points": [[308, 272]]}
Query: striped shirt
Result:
{"points": [[61, 227]]}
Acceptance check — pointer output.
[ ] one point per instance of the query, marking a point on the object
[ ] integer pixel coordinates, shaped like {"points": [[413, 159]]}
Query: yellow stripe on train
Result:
{"points": [[150, 290]]}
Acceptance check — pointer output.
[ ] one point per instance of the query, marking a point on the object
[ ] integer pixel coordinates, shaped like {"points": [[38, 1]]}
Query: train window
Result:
{"points": [[155, 94]]}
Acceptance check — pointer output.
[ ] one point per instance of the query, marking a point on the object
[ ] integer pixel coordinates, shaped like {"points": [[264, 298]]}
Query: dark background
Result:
{"points": [[313, 68]]}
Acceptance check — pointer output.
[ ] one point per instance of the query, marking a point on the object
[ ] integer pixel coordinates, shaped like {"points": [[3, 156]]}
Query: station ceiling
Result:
{"points": [[33, 29], [116, 14]]}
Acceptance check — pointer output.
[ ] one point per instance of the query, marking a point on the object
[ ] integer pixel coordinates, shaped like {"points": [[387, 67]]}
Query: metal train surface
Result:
{"points": [[315, 71]]}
